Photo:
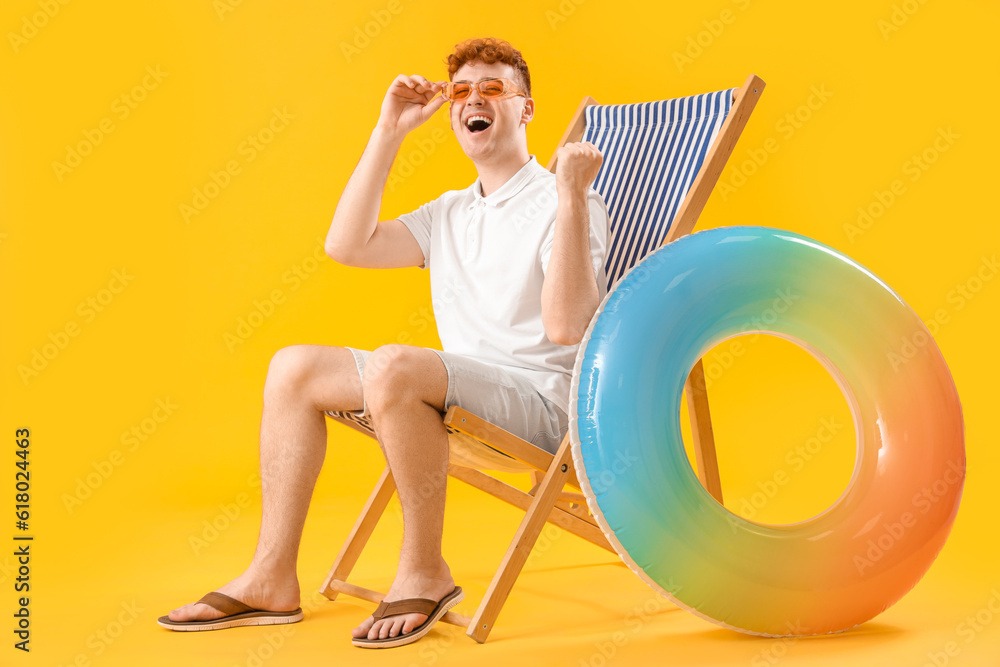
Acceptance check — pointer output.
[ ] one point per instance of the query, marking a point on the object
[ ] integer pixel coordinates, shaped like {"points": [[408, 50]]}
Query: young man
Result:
{"points": [[517, 272]]}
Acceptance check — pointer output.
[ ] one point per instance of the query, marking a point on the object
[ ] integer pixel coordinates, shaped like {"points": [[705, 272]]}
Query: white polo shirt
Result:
{"points": [[488, 257]]}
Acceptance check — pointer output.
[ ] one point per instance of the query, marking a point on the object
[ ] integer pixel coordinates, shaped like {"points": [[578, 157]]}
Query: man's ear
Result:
{"points": [[529, 111]]}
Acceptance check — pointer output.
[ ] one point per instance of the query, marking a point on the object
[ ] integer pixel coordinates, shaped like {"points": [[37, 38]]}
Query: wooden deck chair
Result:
{"points": [[661, 162]]}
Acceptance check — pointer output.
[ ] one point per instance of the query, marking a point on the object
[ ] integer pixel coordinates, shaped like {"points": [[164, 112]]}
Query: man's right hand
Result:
{"points": [[409, 102]]}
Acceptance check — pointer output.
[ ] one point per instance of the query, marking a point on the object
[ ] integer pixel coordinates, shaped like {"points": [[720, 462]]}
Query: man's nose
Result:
{"points": [[475, 95]]}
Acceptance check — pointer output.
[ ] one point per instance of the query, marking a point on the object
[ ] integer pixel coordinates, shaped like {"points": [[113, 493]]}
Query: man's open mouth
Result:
{"points": [[478, 123]]}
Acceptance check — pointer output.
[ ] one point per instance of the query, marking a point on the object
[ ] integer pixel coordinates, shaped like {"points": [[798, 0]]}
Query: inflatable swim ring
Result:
{"points": [[828, 573]]}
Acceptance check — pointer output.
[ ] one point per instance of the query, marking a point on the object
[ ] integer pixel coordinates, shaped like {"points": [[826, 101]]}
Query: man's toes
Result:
{"points": [[388, 627], [362, 630], [181, 613], [412, 622], [191, 612]]}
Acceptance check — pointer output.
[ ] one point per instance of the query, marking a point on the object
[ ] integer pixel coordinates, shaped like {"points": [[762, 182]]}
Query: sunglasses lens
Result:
{"points": [[491, 88], [459, 91]]}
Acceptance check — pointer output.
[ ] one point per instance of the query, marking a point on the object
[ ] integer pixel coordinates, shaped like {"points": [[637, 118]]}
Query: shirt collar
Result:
{"points": [[513, 185]]}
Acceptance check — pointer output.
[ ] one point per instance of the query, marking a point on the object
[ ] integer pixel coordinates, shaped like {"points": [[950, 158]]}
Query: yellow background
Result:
{"points": [[108, 565]]}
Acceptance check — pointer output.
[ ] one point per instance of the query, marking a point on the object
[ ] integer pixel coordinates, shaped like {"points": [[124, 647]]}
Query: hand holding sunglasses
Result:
{"points": [[408, 103]]}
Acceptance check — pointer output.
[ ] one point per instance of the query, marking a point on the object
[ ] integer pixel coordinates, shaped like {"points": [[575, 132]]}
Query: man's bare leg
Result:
{"points": [[302, 382], [405, 388]]}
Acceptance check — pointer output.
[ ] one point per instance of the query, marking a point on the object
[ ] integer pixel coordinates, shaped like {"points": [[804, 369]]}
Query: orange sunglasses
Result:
{"points": [[494, 87]]}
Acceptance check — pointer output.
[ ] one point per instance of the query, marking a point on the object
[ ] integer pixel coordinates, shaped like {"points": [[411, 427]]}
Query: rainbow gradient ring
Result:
{"points": [[828, 573]]}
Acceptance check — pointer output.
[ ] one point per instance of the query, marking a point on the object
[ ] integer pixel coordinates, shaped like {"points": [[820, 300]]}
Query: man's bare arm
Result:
{"points": [[356, 236], [570, 294]]}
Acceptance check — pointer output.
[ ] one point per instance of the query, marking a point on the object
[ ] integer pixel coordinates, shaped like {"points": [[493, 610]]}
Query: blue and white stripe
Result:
{"points": [[652, 153]]}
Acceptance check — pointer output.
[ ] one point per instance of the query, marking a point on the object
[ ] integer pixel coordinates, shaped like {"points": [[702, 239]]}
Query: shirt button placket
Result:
{"points": [[472, 237]]}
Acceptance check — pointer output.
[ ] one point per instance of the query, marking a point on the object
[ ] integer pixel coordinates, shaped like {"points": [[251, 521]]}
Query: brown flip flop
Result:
{"points": [[434, 609], [237, 614]]}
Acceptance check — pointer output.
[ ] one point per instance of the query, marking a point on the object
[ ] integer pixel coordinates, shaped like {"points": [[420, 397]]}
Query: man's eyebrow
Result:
{"points": [[485, 78]]}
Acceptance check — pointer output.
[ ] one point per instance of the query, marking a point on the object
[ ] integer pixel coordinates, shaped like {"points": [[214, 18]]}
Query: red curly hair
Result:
{"points": [[489, 50]]}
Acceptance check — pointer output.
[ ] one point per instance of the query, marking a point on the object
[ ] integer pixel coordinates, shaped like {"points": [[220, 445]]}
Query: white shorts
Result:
{"points": [[491, 392]]}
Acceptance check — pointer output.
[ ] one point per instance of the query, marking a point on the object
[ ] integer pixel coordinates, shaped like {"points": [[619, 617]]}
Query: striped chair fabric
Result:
{"points": [[652, 152]]}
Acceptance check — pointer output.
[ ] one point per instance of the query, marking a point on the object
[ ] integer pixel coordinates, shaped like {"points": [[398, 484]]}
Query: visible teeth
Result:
{"points": [[487, 119]]}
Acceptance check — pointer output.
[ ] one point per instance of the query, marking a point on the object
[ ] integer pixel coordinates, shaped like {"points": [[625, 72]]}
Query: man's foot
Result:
{"points": [[259, 592], [416, 585]]}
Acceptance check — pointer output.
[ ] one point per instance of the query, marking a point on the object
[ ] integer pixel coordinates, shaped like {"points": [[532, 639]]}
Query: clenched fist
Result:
{"points": [[577, 165]]}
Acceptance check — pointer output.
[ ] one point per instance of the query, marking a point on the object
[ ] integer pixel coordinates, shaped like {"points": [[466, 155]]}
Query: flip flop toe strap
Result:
{"points": [[225, 604], [407, 606]]}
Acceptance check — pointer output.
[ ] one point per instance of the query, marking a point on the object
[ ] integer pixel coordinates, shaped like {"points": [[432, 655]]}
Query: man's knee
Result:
{"points": [[394, 373], [288, 368], [292, 368]]}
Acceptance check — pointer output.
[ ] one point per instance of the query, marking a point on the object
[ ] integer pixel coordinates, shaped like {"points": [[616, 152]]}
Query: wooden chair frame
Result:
{"points": [[550, 500]]}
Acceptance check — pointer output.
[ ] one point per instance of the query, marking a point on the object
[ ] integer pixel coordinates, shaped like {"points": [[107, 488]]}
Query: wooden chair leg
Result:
{"points": [[362, 530], [701, 429], [527, 533], [536, 481]]}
